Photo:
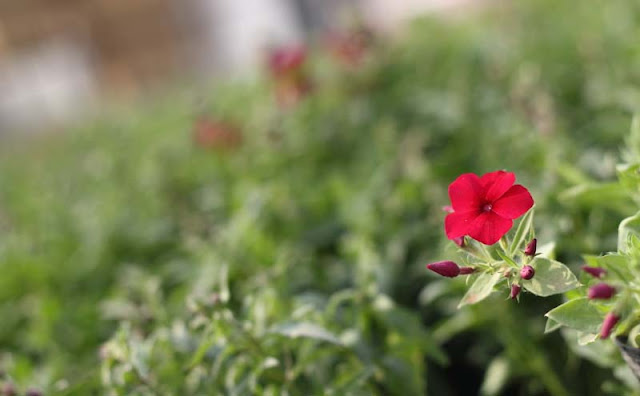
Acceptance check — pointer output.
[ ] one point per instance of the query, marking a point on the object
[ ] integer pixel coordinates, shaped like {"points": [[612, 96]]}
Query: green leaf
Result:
{"points": [[610, 195], [551, 277], [586, 338], [306, 330], [579, 314], [480, 289], [628, 228], [521, 232], [551, 326], [496, 376], [616, 265]]}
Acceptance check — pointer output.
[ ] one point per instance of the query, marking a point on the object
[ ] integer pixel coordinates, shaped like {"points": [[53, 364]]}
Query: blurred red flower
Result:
{"points": [[286, 65], [286, 60], [211, 134], [484, 207]]}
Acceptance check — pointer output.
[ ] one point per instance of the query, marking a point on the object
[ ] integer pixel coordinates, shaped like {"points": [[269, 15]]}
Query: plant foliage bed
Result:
{"points": [[137, 261]]}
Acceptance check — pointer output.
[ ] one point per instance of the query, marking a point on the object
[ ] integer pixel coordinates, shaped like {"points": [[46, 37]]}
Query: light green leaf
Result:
{"points": [[521, 232], [551, 326], [628, 228], [586, 338], [307, 330], [480, 289], [579, 314], [610, 195], [616, 265], [495, 377], [551, 277]]}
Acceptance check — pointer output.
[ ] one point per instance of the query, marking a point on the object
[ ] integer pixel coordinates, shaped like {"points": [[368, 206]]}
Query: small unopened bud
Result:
{"points": [[515, 290], [8, 389], [467, 270], [530, 250], [459, 241], [445, 268], [601, 291], [527, 272], [596, 272], [608, 324]]}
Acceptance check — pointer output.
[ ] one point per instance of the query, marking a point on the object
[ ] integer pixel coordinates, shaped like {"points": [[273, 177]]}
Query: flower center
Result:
{"points": [[487, 207]]}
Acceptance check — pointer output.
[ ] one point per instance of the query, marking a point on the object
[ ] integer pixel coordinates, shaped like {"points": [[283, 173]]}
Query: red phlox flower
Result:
{"points": [[484, 207]]}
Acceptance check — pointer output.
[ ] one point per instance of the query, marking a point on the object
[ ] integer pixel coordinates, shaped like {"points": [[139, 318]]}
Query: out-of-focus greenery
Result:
{"points": [[133, 262]]}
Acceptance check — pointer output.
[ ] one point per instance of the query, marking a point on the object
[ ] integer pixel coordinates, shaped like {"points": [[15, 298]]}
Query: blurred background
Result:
{"points": [[224, 197], [61, 59]]}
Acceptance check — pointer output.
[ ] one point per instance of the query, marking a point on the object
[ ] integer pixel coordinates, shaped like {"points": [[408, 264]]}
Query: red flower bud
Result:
{"points": [[527, 272], [515, 290], [459, 241], [530, 250], [596, 272], [467, 270], [608, 324], [445, 268], [601, 291]]}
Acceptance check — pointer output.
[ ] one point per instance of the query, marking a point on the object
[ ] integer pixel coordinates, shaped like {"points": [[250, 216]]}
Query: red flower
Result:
{"points": [[484, 207], [212, 134], [286, 60]]}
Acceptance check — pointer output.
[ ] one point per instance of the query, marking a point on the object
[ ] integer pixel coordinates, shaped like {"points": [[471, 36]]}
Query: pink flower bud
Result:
{"points": [[530, 250], [596, 272], [608, 324], [467, 270], [527, 272], [601, 291], [445, 268], [515, 290], [459, 241]]}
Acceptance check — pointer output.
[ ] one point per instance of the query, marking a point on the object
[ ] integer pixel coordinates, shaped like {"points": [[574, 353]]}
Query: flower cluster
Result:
{"points": [[479, 221]]}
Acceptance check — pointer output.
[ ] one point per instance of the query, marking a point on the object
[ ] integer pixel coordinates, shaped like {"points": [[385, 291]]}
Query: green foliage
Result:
{"points": [[135, 263]]}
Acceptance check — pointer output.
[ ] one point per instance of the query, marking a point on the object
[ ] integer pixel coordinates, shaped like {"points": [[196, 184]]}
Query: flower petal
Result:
{"points": [[495, 184], [488, 228], [466, 193], [456, 224], [514, 203]]}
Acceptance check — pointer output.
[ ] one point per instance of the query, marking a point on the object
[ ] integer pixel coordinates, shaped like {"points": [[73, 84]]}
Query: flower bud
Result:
{"points": [[445, 268], [515, 290], [596, 272], [527, 272], [459, 241], [530, 250], [608, 324], [467, 270], [601, 291]]}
